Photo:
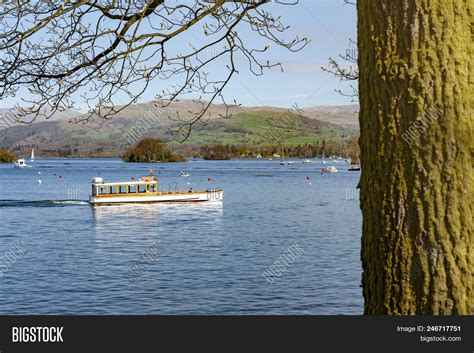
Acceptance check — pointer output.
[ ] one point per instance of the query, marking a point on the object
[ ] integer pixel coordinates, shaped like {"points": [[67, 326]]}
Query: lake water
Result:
{"points": [[72, 258]]}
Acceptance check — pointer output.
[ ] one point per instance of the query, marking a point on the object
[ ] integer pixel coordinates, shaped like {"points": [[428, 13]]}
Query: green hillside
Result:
{"points": [[106, 138], [262, 128]]}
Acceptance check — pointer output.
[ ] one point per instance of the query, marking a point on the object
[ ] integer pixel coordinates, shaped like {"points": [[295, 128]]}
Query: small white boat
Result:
{"points": [[145, 190], [283, 163], [184, 174], [20, 163], [32, 159], [330, 169], [307, 161], [354, 168], [289, 162]]}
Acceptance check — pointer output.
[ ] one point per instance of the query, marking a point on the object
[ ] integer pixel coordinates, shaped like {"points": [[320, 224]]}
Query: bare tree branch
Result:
{"points": [[106, 54]]}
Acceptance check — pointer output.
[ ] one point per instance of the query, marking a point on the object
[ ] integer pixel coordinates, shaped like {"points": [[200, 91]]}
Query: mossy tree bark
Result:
{"points": [[416, 116]]}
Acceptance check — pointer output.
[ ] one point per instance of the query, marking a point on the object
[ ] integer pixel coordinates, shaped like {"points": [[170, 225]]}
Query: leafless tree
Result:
{"points": [[106, 54], [346, 69]]}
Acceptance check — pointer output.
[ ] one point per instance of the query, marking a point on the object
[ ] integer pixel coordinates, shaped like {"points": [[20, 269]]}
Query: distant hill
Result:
{"points": [[68, 114], [342, 115], [257, 126]]}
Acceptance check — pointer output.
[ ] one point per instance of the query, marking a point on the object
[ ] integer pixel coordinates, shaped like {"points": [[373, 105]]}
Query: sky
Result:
{"points": [[328, 24]]}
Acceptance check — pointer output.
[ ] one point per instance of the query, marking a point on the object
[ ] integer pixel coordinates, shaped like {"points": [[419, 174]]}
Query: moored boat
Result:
{"points": [[354, 168], [330, 169], [146, 190], [20, 163]]}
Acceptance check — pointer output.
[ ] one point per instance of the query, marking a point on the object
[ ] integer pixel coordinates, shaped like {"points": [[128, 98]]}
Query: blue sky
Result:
{"points": [[329, 24]]}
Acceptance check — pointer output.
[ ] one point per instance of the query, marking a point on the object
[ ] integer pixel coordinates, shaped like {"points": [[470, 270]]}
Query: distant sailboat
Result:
{"points": [[32, 159], [283, 162]]}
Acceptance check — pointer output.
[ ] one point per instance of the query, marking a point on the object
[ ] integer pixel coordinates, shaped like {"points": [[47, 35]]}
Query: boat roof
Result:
{"points": [[126, 183]]}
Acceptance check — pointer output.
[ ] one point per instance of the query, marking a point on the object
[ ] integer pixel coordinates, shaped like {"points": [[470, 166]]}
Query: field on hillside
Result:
{"points": [[110, 138]]}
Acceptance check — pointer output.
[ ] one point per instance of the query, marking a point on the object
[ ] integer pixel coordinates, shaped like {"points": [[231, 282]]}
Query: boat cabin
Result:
{"points": [[142, 187]]}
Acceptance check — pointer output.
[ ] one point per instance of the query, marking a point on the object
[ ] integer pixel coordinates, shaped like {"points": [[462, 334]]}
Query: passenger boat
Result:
{"points": [[146, 190], [20, 163]]}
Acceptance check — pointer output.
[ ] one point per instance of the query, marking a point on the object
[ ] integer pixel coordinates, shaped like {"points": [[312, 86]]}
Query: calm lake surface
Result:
{"points": [[75, 258]]}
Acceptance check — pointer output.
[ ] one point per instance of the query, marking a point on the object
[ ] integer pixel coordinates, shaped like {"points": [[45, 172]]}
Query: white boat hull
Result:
{"points": [[330, 169], [20, 163], [195, 196]]}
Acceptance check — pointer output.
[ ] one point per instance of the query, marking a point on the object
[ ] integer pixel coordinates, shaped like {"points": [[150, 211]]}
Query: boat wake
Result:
{"points": [[42, 203]]}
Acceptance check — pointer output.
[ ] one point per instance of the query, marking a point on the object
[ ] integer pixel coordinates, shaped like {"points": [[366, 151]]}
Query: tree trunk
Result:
{"points": [[416, 116]]}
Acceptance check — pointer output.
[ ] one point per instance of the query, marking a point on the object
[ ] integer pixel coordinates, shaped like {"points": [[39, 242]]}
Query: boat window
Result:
{"points": [[152, 188], [112, 189], [94, 190], [101, 190], [122, 189], [132, 189], [141, 188]]}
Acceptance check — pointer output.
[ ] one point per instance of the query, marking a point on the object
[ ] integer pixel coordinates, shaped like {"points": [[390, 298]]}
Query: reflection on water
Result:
{"points": [[201, 221]]}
